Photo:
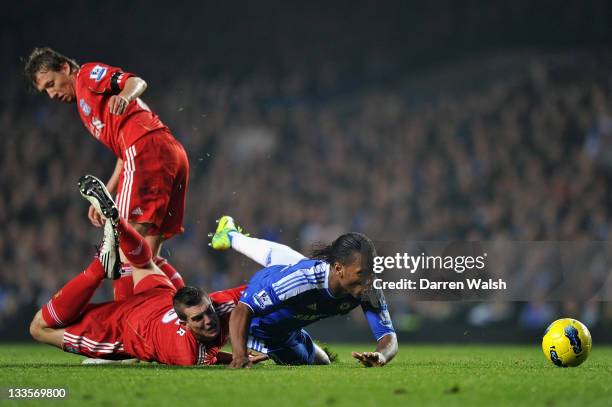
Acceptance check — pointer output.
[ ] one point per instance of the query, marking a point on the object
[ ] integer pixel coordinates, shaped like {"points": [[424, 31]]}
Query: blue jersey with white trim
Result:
{"points": [[287, 298]]}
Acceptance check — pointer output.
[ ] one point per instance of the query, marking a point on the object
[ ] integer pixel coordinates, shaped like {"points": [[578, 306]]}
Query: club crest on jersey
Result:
{"points": [[262, 299], [97, 73], [85, 107]]}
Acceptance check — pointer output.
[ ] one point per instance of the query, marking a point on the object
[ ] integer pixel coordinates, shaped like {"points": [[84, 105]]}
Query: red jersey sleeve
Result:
{"points": [[102, 78], [229, 295]]}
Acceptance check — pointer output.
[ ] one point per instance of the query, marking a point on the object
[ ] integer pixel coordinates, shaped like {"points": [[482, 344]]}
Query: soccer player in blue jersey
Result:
{"points": [[293, 291]]}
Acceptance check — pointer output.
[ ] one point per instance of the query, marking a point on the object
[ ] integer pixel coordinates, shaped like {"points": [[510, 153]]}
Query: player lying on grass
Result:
{"points": [[145, 325], [293, 291]]}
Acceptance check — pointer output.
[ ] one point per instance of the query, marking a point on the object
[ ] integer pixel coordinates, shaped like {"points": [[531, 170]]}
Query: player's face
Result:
{"points": [[202, 320], [354, 278], [58, 85]]}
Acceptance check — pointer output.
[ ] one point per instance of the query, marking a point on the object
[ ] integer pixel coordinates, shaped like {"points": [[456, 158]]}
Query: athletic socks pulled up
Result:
{"points": [[68, 303]]}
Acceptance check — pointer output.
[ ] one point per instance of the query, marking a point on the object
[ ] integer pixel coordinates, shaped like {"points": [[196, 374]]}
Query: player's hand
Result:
{"points": [[258, 358], [239, 362], [117, 104], [94, 217], [370, 359]]}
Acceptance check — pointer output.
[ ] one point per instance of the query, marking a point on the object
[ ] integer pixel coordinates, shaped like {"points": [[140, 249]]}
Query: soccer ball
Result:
{"points": [[566, 342]]}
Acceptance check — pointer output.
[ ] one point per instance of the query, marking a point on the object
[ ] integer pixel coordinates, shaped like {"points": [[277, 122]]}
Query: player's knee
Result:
{"points": [[37, 326], [321, 357], [42, 332], [323, 360], [141, 228], [154, 242]]}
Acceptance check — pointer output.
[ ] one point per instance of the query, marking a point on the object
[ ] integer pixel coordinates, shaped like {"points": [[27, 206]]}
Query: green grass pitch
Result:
{"points": [[421, 375]]}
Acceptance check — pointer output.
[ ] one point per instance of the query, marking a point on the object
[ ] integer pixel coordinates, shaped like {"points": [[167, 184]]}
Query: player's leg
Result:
{"points": [[72, 298], [155, 243], [95, 191], [137, 252], [135, 249], [321, 357], [134, 246], [176, 195], [98, 340], [262, 251], [70, 301], [298, 349], [43, 333], [98, 333], [157, 165], [91, 335], [170, 271], [123, 287]]}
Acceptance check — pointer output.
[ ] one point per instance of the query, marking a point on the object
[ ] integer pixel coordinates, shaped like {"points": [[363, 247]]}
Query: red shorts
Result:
{"points": [[100, 331], [153, 185]]}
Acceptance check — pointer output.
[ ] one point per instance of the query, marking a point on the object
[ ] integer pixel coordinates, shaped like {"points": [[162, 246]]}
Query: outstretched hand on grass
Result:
{"points": [[256, 358], [240, 362], [370, 359]]}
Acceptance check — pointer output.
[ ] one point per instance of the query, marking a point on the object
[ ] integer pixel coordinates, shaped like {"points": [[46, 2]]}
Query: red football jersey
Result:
{"points": [[153, 332], [95, 84]]}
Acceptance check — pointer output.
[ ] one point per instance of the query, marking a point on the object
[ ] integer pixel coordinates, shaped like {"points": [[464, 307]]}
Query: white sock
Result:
{"points": [[263, 251]]}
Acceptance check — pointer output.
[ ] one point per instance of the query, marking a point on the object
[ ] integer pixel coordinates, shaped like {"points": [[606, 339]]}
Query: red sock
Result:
{"points": [[170, 271], [72, 298], [123, 287], [133, 246]]}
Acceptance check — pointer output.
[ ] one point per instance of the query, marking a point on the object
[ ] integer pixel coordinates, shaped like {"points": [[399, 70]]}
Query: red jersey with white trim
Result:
{"points": [[152, 331], [94, 85]]}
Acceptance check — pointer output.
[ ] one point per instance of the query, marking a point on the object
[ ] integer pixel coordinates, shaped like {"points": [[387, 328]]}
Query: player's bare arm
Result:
{"points": [[113, 181], [225, 358], [256, 358], [134, 87], [94, 217], [386, 349], [239, 328]]}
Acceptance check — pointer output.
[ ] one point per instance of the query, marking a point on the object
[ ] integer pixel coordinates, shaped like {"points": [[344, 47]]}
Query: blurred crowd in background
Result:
{"points": [[504, 146]]}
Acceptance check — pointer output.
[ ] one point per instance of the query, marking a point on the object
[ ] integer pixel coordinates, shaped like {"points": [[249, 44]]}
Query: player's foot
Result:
{"points": [[93, 361], [109, 251], [221, 239], [94, 190]]}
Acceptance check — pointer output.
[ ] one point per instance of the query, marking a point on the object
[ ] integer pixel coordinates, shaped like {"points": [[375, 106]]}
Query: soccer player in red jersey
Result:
{"points": [[145, 325], [151, 175]]}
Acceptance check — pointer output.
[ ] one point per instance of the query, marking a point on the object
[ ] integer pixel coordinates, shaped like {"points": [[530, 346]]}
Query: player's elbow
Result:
{"points": [[142, 84], [137, 84], [393, 347]]}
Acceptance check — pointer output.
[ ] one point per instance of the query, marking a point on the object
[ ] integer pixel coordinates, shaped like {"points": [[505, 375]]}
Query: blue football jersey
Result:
{"points": [[287, 298]]}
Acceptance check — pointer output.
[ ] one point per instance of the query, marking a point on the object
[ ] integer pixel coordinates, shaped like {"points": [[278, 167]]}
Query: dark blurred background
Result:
{"points": [[442, 120]]}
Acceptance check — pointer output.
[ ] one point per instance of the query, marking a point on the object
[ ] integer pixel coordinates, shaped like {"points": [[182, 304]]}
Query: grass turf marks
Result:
{"points": [[419, 375]]}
